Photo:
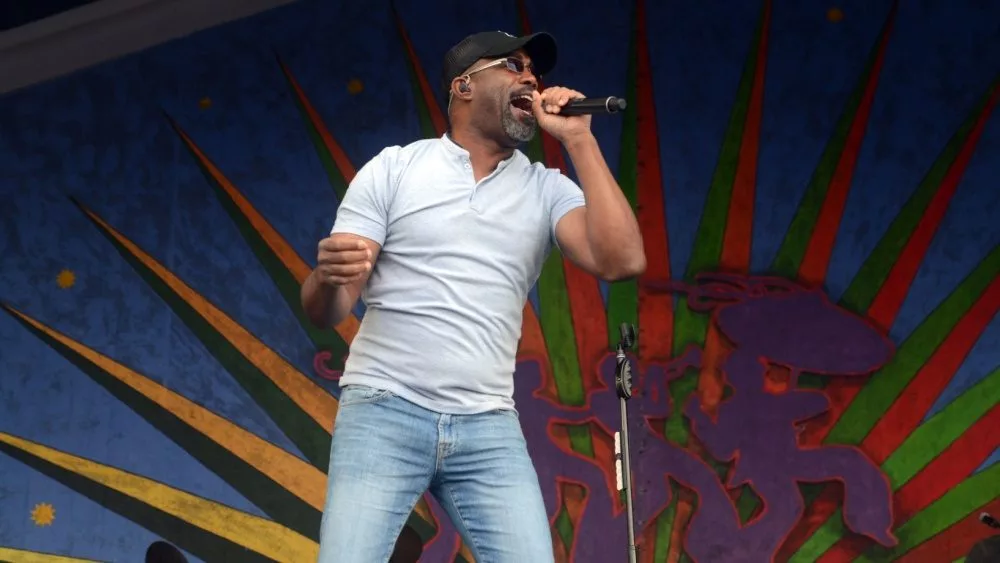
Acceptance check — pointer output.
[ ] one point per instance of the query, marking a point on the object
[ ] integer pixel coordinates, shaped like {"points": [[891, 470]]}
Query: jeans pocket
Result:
{"points": [[511, 413], [361, 395]]}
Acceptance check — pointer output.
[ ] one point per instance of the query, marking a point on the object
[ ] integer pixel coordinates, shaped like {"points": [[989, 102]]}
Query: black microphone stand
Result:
{"points": [[623, 384]]}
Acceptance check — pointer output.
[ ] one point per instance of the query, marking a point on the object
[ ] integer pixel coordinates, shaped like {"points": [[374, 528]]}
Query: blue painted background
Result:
{"points": [[101, 136]]}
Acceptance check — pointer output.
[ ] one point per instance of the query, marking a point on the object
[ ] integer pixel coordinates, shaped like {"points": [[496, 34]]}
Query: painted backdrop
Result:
{"points": [[817, 363]]}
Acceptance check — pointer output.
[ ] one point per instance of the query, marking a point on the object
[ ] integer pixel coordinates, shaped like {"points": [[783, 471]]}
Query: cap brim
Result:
{"points": [[541, 47]]}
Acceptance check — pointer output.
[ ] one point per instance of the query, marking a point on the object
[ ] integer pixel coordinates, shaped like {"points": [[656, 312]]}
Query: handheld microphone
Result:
{"points": [[585, 106], [990, 521]]}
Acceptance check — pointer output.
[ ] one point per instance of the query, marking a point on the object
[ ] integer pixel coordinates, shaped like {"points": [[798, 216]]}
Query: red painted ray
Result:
{"points": [[736, 241], [890, 296], [585, 300], [430, 98], [339, 156], [816, 260], [912, 405], [954, 464], [905, 414], [739, 222], [971, 444], [656, 309], [886, 304], [956, 541]]}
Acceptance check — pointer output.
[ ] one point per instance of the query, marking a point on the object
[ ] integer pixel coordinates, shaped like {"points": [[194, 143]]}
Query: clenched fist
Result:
{"points": [[342, 260]]}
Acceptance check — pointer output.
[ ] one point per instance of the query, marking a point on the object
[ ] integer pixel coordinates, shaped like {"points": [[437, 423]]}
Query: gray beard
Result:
{"points": [[519, 131]]}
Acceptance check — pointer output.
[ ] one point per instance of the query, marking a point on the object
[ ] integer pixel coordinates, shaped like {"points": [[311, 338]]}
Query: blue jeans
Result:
{"points": [[387, 452]]}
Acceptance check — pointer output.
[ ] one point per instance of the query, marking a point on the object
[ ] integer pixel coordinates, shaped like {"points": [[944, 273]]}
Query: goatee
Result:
{"points": [[520, 131]]}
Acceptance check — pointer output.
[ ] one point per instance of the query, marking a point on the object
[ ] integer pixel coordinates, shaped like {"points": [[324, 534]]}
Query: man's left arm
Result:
{"points": [[603, 237]]}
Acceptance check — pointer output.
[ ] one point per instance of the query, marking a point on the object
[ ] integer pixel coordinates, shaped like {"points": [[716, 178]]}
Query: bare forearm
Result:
{"points": [[325, 306], [612, 229]]}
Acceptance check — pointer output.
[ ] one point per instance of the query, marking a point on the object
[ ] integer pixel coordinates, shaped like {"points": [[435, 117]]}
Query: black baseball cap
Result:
{"points": [[541, 47]]}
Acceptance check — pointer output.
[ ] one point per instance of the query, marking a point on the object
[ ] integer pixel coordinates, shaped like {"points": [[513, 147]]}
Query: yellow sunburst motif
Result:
{"points": [[43, 514], [66, 279]]}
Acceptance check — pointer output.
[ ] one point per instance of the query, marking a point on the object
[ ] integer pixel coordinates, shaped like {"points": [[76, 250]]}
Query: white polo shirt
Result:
{"points": [[445, 298]]}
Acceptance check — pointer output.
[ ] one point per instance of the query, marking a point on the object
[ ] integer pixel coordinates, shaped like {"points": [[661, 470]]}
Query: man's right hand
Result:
{"points": [[342, 259]]}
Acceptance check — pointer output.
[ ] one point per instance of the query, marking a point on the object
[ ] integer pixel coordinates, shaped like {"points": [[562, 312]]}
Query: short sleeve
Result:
{"points": [[364, 211], [566, 196]]}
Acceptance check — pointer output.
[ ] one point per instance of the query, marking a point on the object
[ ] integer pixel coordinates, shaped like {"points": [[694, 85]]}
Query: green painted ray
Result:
{"points": [[273, 499], [793, 247], [564, 527], [557, 328], [943, 513], [664, 527], [333, 172], [886, 385], [554, 314], [581, 439], [623, 296], [193, 539], [284, 279], [919, 449], [747, 503], [690, 327], [311, 439], [821, 540], [932, 437], [875, 269]]}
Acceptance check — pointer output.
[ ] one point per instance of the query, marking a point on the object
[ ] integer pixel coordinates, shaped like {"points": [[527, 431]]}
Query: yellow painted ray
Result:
{"points": [[293, 474], [315, 401], [11, 555], [296, 476], [284, 251], [246, 530]]}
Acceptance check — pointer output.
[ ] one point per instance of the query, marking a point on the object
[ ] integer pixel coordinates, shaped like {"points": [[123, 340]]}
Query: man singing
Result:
{"points": [[444, 238]]}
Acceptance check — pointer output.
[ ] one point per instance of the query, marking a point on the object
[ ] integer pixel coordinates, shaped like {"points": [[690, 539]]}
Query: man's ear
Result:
{"points": [[461, 87]]}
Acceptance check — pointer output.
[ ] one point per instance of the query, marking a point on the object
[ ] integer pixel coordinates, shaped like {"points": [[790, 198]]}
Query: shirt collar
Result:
{"points": [[457, 150]]}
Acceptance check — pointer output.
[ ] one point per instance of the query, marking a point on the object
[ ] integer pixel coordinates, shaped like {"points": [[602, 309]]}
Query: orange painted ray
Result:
{"points": [[292, 473], [284, 251], [315, 401], [656, 309], [257, 534], [816, 259]]}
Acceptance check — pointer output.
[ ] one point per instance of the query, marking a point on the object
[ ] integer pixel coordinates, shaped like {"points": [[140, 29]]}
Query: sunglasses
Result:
{"points": [[513, 64]]}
